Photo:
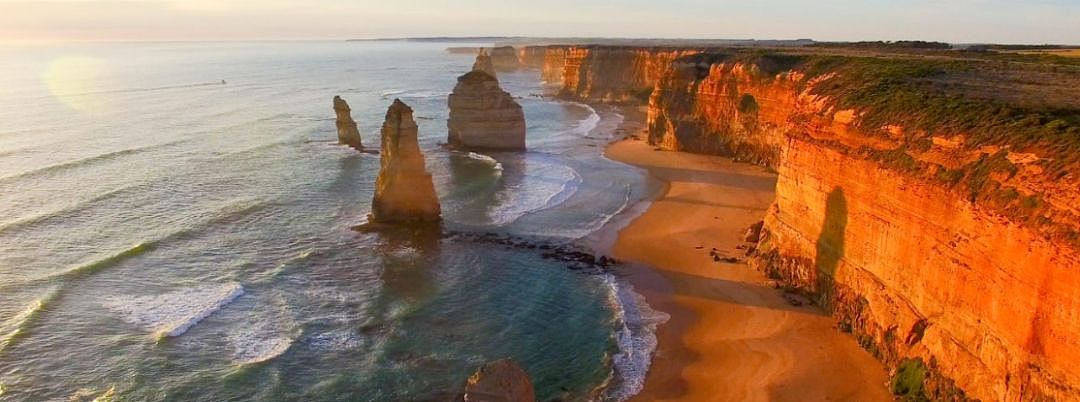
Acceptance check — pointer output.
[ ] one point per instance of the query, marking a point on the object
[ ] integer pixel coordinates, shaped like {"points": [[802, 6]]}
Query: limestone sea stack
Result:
{"points": [[483, 116], [500, 381], [483, 63], [404, 191], [347, 132]]}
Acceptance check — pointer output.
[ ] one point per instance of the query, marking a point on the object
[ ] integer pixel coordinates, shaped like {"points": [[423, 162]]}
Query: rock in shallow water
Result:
{"points": [[348, 134], [500, 381], [483, 116], [404, 191]]}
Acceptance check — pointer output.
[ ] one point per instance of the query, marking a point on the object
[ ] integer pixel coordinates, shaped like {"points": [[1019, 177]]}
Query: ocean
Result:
{"points": [[175, 226]]}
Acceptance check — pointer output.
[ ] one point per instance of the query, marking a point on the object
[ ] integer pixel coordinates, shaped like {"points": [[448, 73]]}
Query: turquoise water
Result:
{"points": [[174, 225]]}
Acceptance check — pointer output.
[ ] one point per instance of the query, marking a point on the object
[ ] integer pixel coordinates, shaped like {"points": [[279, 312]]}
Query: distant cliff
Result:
{"points": [[936, 217], [505, 58], [615, 74]]}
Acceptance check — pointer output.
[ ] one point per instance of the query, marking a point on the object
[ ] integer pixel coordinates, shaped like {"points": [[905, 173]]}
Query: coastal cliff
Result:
{"points": [[404, 191], [611, 74], [483, 116], [936, 220], [505, 58], [348, 133], [532, 56]]}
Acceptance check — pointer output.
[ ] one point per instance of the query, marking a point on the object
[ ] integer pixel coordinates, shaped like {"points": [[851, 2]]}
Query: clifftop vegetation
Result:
{"points": [[998, 103]]}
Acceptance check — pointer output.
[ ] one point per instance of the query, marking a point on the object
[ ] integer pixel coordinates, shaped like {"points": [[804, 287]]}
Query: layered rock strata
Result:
{"points": [[554, 66], [616, 74], [404, 191], [348, 133], [953, 261], [483, 116], [499, 381]]}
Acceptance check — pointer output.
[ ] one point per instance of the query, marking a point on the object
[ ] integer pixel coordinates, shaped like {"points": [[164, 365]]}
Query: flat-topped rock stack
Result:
{"points": [[404, 191], [483, 116], [348, 133]]}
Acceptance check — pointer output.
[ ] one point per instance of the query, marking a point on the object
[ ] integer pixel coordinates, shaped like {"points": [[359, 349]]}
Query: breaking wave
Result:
{"points": [[545, 184], [171, 314], [636, 324], [12, 330], [588, 124]]}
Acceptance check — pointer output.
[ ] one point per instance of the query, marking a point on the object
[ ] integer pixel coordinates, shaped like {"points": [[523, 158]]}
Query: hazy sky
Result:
{"points": [[1029, 21]]}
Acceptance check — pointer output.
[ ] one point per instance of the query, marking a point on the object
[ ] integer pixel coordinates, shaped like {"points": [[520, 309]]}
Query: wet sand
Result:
{"points": [[731, 336]]}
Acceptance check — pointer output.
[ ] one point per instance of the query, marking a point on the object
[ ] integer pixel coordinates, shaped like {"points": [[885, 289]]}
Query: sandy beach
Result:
{"points": [[731, 336]]}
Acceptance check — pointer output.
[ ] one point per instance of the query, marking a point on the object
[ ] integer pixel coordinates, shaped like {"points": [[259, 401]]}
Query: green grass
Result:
{"points": [[907, 384]]}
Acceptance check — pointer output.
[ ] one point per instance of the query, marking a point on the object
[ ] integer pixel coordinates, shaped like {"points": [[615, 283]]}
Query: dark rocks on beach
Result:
{"points": [[575, 258], [753, 233]]}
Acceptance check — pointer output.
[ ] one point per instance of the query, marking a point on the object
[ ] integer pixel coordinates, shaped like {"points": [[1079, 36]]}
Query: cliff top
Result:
{"points": [[1028, 103], [1011, 122]]}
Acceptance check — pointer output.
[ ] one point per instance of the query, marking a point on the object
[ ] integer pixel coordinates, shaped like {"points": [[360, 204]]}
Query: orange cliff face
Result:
{"points": [[722, 109], [613, 74], [912, 266], [917, 271], [554, 64], [975, 297]]}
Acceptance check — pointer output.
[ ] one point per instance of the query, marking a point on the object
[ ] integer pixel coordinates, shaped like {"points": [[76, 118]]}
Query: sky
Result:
{"points": [[956, 21]]}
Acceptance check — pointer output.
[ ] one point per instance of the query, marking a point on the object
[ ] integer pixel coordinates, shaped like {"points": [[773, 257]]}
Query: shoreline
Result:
{"points": [[730, 336]]}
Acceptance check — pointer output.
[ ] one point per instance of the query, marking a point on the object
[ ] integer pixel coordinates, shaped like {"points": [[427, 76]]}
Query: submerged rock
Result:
{"points": [[483, 116], [500, 381], [483, 63], [347, 132], [404, 191]]}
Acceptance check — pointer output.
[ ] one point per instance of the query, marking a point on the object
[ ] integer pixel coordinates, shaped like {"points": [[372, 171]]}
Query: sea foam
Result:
{"points": [[171, 314], [636, 324]]}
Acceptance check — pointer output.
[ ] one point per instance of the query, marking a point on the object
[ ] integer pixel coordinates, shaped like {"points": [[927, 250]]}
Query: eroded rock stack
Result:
{"points": [[347, 132], [404, 191], [500, 381], [483, 63], [483, 116]]}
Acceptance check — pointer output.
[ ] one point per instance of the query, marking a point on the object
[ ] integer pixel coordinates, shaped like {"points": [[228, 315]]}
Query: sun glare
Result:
{"points": [[74, 81]]}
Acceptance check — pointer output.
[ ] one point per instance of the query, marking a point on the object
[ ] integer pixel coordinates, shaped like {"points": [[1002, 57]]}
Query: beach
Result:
{"points": [[731, 336]]}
